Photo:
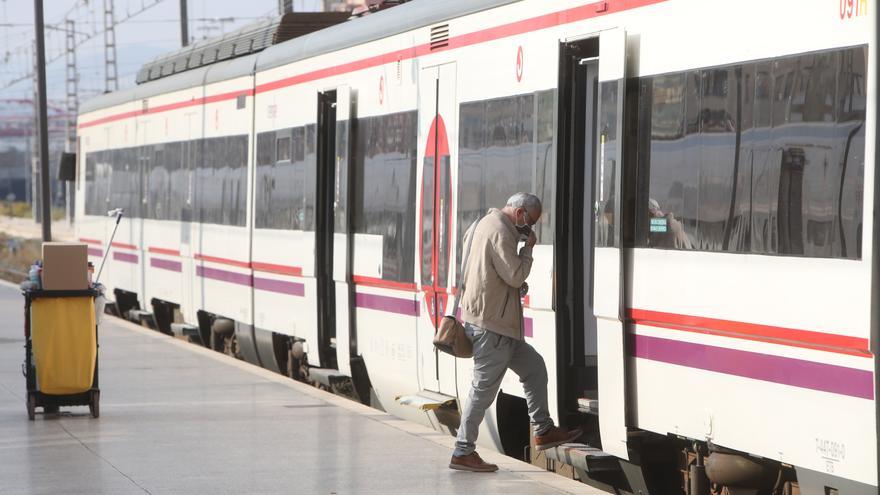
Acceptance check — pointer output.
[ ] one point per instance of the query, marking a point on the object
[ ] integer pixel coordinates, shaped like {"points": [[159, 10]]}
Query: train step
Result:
{"points": [[185, 330], [426, 400], [582, 456], [328, 377], [588, 406], [142, 317]]}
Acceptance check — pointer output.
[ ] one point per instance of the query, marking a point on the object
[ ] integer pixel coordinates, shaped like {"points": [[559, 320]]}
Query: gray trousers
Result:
{"points": [[493, 355]]}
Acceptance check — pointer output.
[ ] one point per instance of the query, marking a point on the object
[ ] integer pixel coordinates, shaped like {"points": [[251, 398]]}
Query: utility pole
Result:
{"points": [[285, 6], [72, 108], [110, 81], [184, 24], [43, 116], [34, 172]]}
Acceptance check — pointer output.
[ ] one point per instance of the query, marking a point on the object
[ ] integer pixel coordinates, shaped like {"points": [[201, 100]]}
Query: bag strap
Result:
{"points": [[459, 292]]}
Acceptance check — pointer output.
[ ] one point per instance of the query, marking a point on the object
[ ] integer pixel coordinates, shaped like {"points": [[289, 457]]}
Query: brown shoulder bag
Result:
{"points": [[450, 337]]}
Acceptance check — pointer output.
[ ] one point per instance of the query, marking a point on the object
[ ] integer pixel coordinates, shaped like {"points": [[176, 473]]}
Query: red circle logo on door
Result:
{"points": [[519, 64], [435, 220]]}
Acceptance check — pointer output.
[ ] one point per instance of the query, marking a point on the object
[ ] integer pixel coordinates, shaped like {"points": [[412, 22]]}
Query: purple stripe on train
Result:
{"points": [[95, 252], [777, 369], [224, 276], [125, 257], [280, 286], [387, 304], [172, 266]]}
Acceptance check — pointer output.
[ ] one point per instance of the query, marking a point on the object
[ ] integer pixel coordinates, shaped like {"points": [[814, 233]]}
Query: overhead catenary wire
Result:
{"points": [[147, 5]]}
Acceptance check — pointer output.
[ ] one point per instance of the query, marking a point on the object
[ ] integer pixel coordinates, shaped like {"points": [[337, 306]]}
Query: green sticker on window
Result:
{"points": [[658, 225]]}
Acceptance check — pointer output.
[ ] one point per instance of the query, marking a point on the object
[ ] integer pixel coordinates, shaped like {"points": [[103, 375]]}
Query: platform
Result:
{"points": [[178, 418]]}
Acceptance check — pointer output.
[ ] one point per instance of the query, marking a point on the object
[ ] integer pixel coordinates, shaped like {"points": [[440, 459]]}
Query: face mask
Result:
{"points": [[524, 229]]}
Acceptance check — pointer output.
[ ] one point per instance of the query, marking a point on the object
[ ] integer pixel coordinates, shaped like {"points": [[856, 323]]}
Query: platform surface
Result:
{"points": [[177, 418]]}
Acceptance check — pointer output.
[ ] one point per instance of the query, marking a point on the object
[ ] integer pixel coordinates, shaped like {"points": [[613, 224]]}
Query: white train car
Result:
{"points": [[705, 287]]}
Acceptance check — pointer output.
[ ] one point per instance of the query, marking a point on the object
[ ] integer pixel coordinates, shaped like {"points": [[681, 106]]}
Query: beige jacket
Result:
{"points": [[493, 276]]}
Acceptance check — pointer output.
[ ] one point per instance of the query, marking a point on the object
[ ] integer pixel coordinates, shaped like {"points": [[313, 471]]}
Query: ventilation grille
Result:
{"points": [[439, 36]]}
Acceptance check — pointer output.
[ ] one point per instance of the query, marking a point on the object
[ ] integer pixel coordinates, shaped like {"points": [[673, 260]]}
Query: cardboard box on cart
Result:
{"points": [[65, 266]]}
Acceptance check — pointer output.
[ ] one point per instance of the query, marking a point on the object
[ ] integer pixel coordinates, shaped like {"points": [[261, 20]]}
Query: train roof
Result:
{"points": [[406, 17]]}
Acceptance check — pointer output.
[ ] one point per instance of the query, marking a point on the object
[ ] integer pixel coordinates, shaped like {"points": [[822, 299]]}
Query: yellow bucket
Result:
{"points": [[64, 343]]}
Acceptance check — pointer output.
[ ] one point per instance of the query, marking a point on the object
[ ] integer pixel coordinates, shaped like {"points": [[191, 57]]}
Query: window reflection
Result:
{"points": [[384, 185], [506, 145], [168, 181], [771, 160]]}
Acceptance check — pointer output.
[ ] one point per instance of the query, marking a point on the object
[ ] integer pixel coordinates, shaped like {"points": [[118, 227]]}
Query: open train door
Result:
{"points": [[346, 339], [609, 279]]}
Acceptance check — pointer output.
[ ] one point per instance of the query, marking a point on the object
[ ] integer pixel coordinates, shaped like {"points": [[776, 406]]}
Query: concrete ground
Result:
{"points": [[177, 418]]}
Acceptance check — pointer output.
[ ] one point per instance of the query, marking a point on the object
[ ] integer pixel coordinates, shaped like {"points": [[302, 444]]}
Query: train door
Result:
{"points": [[608, 280], [437, 131], [333, 262], [589, 272], [343, 263]]}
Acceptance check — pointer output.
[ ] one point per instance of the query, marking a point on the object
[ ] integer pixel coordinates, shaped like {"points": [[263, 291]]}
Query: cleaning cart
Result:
{"points": [[61, 346]]}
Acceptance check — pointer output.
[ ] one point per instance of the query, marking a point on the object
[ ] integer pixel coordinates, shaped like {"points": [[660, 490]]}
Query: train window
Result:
{"points": [[157, 185], [89, 181], [771, 161], [506, 145], [607, 170], [720, 123], [286, 188], [282, 148], [545, 163], [180, 180], [670, 179], [306, 212], [265, 182], [299, 183], [340, 192], [265, 150], [384, 189]]}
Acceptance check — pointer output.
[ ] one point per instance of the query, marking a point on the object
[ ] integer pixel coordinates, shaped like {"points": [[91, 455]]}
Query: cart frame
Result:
{"points": [[51, 402]]}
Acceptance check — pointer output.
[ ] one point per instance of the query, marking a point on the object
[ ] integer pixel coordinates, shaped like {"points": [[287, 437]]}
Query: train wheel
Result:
{"points": [[32, 407], [94, 404]]}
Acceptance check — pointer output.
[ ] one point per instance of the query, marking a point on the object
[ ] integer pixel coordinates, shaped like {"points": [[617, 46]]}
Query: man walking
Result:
{"points": [[494, 281]]}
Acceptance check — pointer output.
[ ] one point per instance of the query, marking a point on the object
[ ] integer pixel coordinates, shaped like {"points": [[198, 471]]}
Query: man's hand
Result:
{"points": [[524, 289], [532, 240]]}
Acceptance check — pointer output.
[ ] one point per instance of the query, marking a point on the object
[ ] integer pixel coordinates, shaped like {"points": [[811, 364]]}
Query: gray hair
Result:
{"points": [[525, 200]]}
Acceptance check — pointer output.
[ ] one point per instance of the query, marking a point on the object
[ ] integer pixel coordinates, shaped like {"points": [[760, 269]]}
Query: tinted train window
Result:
{"points": [[172, 181], [506, 145], [608, 172], [385, 189], [771, 160]]}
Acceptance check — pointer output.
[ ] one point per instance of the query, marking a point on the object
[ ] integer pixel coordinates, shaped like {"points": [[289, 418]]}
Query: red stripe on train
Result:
{"points": [[807, 339], [171, 106], [222, 261], [554, 19], [295, 271], [383, 284], [169, 252]]}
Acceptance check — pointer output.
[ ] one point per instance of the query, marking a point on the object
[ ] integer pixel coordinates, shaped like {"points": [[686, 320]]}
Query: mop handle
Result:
{"points": [[118, 213]]}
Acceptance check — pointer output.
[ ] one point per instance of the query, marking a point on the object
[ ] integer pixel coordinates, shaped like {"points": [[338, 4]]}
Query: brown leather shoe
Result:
{"points": [[556, 436], [471, 462]]}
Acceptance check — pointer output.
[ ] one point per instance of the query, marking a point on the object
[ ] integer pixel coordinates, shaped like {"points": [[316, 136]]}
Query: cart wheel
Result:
{"points": [[94, 402], [32, 407]]}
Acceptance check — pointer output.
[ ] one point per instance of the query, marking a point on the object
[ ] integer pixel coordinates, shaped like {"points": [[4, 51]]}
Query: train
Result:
{"points": [[705, 289]]}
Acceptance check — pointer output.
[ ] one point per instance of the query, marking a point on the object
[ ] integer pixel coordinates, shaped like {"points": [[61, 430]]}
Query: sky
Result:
{"points": [[145, 36]]}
